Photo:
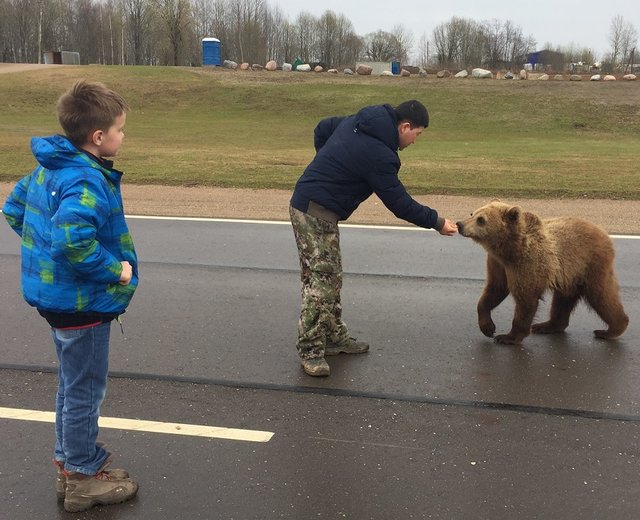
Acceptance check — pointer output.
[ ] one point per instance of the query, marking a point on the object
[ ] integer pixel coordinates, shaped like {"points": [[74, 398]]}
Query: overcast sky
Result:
{"points": [[559, 22]]}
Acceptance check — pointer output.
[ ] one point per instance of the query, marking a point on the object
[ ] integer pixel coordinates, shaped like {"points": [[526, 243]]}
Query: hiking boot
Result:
{"points": [[315, 366], [85, 491], [61, 478], [347, 346]]}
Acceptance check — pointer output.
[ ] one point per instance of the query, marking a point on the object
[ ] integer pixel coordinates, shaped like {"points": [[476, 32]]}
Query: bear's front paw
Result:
{"points": [[546, 327], [487, 327], [506, 339]]}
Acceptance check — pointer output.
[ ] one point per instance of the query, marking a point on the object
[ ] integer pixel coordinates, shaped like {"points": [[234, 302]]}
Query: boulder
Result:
{"points": [[523, 74], [609, 77], [443, 74], [245, 66], [405, 73], [257, 67], [595, 77], [348, 72], [318, 68], [305, 67], [575, 77], [629, 77], [271, 65], [423, 73], [287, 67], [332, 71], [544, 77], [481, 74], [228, 64], [558, 77], [462, 74], [364, 70], [509, 75], [386, 73]]}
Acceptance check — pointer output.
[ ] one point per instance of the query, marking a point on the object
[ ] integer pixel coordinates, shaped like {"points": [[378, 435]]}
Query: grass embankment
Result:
{"points": [[255, 130]]}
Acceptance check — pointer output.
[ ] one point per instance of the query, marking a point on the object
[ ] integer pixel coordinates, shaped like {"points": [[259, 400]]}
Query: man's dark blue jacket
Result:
{"points": [[355, 157]]}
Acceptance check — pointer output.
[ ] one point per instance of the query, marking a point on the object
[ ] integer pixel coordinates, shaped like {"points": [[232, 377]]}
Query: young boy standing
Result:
{"points": [[79, 270]]}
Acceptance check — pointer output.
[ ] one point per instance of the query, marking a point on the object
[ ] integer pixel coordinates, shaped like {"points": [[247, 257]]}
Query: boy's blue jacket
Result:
{"points": [[355, 157], [69, 214]]}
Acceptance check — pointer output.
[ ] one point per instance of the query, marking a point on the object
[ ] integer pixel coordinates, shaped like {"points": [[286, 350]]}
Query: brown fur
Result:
{"points": [[528, 255]]}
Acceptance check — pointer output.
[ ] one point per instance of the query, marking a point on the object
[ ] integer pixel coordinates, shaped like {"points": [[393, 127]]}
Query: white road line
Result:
{"points": [[195, 430], [274, 222], [287, 223]]}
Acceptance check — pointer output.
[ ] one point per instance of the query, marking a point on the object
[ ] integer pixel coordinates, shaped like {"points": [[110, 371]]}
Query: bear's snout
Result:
{"points": [[460, 226]]}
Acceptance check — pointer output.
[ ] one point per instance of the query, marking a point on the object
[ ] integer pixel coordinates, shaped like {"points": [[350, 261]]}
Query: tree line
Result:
{"points": [[169, 32]]}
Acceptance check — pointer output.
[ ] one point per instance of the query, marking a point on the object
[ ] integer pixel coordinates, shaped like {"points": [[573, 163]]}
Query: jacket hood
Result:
{"points": [[57, 152], [379, 121]]}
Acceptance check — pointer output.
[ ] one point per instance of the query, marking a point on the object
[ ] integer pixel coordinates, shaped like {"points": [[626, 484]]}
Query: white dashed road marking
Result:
{"points": [[195, 430]]}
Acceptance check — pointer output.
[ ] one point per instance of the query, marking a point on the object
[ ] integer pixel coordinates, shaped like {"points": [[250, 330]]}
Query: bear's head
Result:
{"points": [[499, 227]]}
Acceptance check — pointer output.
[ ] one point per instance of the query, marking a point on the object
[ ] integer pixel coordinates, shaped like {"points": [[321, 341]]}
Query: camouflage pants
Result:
{"points": [[320, 321]]}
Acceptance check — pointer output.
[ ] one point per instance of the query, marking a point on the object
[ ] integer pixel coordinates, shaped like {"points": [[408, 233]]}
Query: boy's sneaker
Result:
{"points": [[85, 491], [61, 477], [347, 346], [315, 367]]}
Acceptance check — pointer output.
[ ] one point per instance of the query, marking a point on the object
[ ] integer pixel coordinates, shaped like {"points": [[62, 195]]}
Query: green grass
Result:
{"points": [[255, 130]]}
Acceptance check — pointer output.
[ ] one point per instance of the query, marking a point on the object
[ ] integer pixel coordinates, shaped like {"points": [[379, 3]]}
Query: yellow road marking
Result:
{"points": [[194, 430]]}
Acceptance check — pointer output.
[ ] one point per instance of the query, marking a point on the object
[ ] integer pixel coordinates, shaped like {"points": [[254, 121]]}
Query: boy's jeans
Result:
{"points": [[82, 384]]}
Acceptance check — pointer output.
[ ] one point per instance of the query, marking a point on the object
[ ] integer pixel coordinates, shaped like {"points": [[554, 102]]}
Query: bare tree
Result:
{"points": [[446, 48], [403, 42], [381, 46], [24, 29], [305, 37], [5, 37], [247, 29], [616, 30], [275, 28], [495, 43], [575, 54], [623, 38], [176, 19], [349, 44], [459, 43], [328, 37], [505, 46], [423, 51], [137, 20], [518, 46]]}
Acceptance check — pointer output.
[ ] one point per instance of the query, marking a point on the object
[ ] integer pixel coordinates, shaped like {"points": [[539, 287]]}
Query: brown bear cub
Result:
{"points": [[528, 255]]}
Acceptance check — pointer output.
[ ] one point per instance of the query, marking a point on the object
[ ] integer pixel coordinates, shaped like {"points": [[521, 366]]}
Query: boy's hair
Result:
{"points": [[414, 112], [87, 107]]}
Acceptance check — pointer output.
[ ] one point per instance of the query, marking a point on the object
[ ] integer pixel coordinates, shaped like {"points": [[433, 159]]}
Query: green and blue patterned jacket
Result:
{"points": [[69, 214]]}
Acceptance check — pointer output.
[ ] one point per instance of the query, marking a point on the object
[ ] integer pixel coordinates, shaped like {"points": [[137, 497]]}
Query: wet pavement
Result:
{"points": [[436, 421]]}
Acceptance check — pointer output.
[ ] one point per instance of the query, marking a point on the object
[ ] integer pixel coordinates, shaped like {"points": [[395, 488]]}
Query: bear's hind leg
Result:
{"points": [[603, 295], [561, 308]]}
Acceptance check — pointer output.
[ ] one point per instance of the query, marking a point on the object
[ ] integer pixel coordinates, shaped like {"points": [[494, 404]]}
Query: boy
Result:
{"points": [[356, 156], [79, 270]]}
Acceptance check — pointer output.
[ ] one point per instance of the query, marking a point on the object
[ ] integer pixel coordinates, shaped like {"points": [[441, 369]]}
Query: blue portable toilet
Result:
{"points": [[211, 55], [395, 67]]}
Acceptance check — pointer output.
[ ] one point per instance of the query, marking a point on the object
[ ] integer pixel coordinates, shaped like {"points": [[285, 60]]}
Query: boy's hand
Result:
{"points": [[449, 228], [127, 273]]}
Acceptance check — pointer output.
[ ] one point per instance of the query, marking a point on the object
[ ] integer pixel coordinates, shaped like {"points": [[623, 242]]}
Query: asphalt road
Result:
{"points": [[436, 421]]}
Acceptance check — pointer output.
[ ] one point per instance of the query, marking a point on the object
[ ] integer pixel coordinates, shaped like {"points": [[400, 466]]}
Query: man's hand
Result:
{"points": [[449, 228], [126, 274]]}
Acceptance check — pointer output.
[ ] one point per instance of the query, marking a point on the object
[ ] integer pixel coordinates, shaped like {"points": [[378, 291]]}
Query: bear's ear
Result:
{"points": [[512, 215], [532, 221]]}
